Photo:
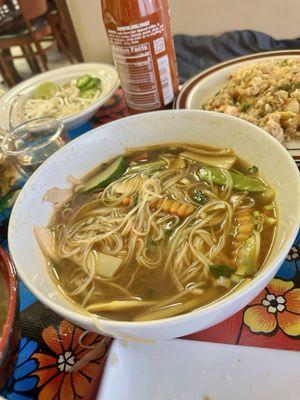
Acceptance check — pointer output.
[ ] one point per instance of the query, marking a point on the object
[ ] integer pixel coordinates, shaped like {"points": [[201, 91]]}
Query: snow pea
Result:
{"points": [[240, 182]]}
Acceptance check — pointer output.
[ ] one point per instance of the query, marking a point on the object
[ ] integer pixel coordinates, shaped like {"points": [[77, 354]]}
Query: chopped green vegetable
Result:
{"points": [[297, 85], [245, 106], [168, 231], [92, 83], [215, 161], [105, 177], [88, 85], [203, 106], [221, 270], [285, 62], [149, 166], [83, 81], [240, 182], [253, 170], [256, 213], [88, 94], [286, 86], [269, 207], [199, 197], [135, 199]]}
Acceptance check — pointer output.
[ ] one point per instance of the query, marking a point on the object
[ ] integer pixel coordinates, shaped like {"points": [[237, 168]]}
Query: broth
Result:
{"points": [[160, 231]]}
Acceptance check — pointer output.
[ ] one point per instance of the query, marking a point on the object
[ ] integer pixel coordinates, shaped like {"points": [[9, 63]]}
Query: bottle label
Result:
{"points": [[165, 78], [140, 56]]}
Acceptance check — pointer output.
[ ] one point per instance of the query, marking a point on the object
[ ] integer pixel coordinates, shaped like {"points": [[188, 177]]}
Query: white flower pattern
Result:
{"points": [[66, 361], [274, 303], [294, 254]]}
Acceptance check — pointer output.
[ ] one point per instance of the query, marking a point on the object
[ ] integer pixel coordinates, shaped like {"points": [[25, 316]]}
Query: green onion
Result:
{"points": [[135, 199], [203, 106], [285, 62], [256, 213], [199, 197], [286, 86], [269, 207], [253, 170], [297, 85], [245, 106], [168, 231]]}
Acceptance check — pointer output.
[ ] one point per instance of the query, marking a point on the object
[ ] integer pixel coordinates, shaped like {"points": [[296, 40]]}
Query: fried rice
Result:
{"points": [[266, 94]]}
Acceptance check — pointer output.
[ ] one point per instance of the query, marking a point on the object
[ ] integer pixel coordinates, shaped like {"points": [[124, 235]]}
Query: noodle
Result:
{"points": [[162, 241], [67, 101]]}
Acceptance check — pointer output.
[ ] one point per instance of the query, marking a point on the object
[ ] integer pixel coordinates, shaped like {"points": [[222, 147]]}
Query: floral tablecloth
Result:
{"points": [[50, 346]]}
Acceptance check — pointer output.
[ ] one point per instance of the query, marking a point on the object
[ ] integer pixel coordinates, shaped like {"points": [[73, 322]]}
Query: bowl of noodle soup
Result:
{"points": [[67, 104], [157, 225]]}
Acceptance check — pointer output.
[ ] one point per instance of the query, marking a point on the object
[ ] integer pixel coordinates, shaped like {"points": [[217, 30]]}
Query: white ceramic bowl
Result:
{"points": [[83, 154], [107, 73]]}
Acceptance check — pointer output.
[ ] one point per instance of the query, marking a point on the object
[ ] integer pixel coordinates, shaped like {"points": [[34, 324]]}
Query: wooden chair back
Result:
{"points": [[33, 9]]}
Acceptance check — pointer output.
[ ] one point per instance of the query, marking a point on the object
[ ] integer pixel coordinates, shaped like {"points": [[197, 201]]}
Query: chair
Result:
{"points": [[60, 18], [34, 14], [27, 26], [12, 33], [60, 29], [51, 27]]}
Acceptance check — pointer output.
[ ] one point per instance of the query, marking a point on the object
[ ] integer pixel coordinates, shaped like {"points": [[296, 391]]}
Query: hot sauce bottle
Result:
{"points": [[140, 35]]}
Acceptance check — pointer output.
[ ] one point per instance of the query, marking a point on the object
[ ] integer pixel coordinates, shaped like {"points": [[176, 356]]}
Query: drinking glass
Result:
{"points": [[31, 143], [17, 110]]}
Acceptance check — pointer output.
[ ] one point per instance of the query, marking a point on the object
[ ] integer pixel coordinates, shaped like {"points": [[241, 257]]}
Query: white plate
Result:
{"points": [[189, 370], [205, 84], [107, 74]]}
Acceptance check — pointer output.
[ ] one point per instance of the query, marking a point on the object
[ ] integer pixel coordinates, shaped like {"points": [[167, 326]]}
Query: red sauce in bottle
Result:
{"points": [[139, 32]]}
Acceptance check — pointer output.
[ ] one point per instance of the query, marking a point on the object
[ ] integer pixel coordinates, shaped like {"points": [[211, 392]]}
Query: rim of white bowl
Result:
{"points": [[81, 318]]}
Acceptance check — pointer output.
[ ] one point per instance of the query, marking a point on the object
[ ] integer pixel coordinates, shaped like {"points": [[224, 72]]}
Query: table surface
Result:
{"points": [[49, 345]]}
